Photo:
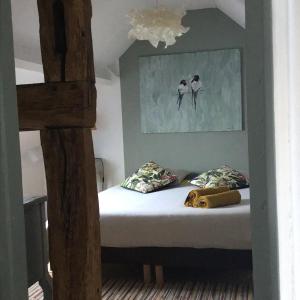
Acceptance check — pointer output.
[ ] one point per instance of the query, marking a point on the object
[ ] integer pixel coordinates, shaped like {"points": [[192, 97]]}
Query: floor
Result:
{"points": [[125, 283]]}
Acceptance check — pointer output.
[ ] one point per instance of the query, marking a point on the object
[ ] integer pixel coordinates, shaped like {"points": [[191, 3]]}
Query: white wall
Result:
{"points": [[286, 59], [108, 137], [33, 173]]}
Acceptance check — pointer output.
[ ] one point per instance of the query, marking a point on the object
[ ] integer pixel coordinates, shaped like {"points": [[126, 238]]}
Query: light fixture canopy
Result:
{"points": [[160, 24]]}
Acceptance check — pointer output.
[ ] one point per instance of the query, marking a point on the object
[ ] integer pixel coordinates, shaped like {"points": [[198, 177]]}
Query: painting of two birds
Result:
{"points": [[183, 88], [189, 92]]}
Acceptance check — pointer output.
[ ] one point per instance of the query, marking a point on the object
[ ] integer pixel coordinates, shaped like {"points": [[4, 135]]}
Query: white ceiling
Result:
{"points": [[109, 24]]}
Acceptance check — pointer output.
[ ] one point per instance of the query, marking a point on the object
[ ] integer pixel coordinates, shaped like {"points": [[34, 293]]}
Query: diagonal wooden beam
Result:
{"points": [[56, 105], [73, 214]]}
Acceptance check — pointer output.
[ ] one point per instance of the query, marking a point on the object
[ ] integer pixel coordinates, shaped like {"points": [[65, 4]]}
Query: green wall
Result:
{"points": [[210, 29], [13, 276]]}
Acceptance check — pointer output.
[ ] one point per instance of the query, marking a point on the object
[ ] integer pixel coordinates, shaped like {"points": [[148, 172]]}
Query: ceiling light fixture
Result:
{"points": [[159, 24]]}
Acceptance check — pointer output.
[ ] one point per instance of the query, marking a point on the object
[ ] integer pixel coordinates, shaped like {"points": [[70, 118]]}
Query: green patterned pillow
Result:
{"points": [[224, 176], [149, 178]]}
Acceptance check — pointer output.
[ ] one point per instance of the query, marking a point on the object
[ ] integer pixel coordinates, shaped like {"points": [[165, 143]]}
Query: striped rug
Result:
{"points": [[130, 289]]}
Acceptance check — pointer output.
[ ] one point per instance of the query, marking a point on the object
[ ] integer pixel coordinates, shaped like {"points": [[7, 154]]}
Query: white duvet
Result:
{"points": [[160, 219]]}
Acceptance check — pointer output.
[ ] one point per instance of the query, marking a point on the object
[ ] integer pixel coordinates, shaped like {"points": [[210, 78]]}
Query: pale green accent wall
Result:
{"points": [[210, 29], [13, 279]]}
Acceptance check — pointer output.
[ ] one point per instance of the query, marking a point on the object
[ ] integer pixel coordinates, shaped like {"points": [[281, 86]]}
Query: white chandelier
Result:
{"points": [[157, 24]]}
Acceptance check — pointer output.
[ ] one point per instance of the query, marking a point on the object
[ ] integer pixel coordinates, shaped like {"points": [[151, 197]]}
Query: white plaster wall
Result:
{"points": [[33, 173], [108, 137]]}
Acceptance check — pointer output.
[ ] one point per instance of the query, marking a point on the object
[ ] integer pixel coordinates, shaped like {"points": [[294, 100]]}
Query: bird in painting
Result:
{"points": [[196, 85], [182, 89]]}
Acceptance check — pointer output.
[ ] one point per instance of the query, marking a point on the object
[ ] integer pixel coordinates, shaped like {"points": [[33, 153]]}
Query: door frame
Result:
{"points": [[13, 275], [261, 141]]}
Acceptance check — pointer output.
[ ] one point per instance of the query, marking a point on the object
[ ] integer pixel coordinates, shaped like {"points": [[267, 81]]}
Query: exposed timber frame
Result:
{"points": [[64, 109]]}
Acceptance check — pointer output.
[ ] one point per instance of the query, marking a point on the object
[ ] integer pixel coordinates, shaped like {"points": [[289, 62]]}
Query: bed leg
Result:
{"points": [[159, 274], [147, 273]]}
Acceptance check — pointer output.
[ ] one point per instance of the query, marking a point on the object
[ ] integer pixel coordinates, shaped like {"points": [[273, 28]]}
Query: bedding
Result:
{"points": [[180, 175], [223, 176], [149, 178], [160, 219]]}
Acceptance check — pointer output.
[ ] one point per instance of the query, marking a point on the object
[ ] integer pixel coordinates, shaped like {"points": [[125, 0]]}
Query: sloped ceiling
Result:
{"points": [[110, 26]]}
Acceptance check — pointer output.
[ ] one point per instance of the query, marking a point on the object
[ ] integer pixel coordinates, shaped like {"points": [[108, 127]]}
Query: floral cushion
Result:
{"points": [[224, 176], [148, 178]]}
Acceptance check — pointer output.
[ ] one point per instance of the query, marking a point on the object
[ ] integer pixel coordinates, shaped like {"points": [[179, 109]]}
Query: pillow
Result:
{"points": [[149, 178], [224, 176], [180, 174]]}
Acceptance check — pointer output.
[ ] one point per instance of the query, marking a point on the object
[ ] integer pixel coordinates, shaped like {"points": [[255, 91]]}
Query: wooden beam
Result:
{"points": [[74, 225], [56, 105], [78, 22], [66, 40], [52, 38], [72, 213]]}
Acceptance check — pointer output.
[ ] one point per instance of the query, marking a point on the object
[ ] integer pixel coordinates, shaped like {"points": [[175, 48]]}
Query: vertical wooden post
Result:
{"points": [[73, 214]]}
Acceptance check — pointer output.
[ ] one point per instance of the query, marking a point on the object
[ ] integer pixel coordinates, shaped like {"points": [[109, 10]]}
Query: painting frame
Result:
{"points": [[221, 75]]}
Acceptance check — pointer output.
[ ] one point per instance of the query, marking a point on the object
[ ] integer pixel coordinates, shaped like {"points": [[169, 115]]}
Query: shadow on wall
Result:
{"points": [[108, 136], [33, 171]]}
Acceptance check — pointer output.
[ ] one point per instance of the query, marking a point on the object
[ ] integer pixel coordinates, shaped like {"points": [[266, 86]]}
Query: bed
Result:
{"points": [[160, 219], [157, 228]]}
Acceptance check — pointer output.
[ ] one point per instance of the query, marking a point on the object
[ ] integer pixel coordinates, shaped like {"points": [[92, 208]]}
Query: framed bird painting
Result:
{"points": [[190, 92]]}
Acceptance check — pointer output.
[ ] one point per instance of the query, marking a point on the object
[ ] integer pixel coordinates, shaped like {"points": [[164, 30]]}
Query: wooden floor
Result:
{"points": [[180, 284]]}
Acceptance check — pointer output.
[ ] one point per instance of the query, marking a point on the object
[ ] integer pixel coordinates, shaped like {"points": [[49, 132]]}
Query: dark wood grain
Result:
{"points": [[51, 58], [73, 213], [78, 22], [55, 105]]}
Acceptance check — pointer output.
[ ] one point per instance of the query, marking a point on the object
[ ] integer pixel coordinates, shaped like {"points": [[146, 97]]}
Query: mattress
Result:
{"points": [[160, 219]]}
